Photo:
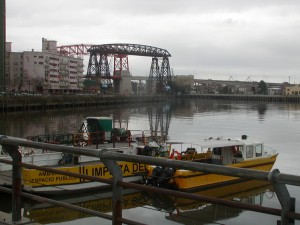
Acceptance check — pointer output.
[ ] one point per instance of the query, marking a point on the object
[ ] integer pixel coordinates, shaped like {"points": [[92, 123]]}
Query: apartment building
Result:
{"points": [[46, 71], [292, 90]]}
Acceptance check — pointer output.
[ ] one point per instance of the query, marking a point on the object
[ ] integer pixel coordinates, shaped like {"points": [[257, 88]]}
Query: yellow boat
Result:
{"points": [[95, 132], [239, 153]]}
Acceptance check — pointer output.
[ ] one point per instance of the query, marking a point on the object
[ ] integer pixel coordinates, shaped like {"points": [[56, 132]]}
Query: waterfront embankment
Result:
{"points": [[34, 103]]}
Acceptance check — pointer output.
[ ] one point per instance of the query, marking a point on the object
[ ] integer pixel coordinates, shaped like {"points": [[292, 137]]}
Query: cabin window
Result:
{"points": [[249, 151], [239, 153], [217, 151], [258, 150]]}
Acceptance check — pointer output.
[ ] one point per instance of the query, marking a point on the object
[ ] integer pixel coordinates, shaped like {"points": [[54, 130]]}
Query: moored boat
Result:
{"points": [[48, 183], [95, 132], [239, 153]]}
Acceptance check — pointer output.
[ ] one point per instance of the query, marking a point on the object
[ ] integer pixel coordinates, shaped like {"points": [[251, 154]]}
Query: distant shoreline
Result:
{"points": [[267, 98]]}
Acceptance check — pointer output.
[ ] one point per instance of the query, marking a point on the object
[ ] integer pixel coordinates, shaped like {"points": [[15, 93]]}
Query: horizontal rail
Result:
{"points": [[51, 170], [195, 166], [6, 140], [261, 209], [109, 156]]}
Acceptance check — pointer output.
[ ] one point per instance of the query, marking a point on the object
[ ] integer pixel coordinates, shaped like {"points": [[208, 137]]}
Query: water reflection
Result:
{"points": [[186, 211], [102, 202], [24, 124], [157, 116], [159, 119], [181, 210], [261, 108]]}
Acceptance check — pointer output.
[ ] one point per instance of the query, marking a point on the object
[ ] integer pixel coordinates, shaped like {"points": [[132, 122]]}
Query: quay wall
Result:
{"points": [[34, 103], [267, 98]]}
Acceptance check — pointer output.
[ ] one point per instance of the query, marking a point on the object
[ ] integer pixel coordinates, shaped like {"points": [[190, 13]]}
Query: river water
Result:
{"points": [[277, 124]]}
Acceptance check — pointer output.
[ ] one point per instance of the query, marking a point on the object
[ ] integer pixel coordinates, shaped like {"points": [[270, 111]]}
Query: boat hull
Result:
{"points": [[48, 183], [187, 180]]}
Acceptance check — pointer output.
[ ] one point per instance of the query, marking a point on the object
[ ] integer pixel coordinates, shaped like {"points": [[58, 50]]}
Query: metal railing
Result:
{"points": [[109, 158]]}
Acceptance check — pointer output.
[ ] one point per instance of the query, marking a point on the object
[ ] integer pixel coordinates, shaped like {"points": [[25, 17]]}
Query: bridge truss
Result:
{"points": [[79, 50], [159, 78]]}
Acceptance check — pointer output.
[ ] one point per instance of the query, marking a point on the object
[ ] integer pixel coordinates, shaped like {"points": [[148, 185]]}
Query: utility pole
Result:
{"points": [[2, 44]]}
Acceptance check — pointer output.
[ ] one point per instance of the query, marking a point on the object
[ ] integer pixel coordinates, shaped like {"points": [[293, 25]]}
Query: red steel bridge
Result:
{"points": [[98, 67]]}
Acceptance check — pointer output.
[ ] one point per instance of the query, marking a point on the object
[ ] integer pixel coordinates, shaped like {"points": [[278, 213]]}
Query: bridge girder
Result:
{"points": [[129, 49], [79, 49]]}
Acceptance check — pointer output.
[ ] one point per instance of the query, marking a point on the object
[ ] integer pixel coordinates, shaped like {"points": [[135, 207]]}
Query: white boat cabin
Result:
{"points": [[229, 151]]}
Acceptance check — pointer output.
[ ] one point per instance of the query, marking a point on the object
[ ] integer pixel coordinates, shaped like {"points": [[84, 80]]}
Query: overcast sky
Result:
{"points": [[215, 39]]}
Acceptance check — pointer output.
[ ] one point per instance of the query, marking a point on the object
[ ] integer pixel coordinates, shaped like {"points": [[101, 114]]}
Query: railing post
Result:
{"points": [[287, 203], [16, 180], [116, 172]]}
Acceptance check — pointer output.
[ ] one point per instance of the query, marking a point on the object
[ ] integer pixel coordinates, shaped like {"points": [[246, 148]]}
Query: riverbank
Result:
{"points": [[35, 103]]}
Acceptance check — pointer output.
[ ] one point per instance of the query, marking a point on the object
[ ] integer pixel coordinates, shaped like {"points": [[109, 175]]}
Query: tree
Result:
{"points": [[262, 88], [226, 90]]}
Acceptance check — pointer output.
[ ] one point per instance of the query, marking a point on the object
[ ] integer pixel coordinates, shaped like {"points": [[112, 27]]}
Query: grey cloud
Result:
{"points": [[202, 36]]}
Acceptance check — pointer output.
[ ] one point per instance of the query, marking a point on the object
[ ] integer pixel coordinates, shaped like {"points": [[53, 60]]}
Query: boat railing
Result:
{"points": [[109, 157], [88, 138], [66, 139]]}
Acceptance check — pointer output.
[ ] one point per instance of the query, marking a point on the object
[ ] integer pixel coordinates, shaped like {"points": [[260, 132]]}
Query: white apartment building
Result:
{"points": [[46, 71]]}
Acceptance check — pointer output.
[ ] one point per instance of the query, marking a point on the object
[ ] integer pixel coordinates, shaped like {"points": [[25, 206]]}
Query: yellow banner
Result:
{"points": [[36, 178]]}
